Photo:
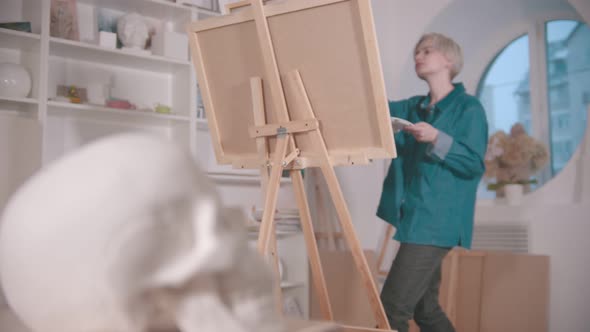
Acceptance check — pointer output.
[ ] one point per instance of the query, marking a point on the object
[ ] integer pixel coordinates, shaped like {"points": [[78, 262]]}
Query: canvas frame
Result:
{"points": [[345, 86]]}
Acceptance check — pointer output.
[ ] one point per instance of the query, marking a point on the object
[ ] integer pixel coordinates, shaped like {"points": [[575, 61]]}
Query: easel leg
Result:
{"points": [[317, 272], [269, 237], [270, 201], [354, 244], [294, 81]]}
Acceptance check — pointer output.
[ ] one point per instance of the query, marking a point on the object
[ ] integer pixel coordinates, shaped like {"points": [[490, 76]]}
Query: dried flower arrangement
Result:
{"points": [[513, 158]]}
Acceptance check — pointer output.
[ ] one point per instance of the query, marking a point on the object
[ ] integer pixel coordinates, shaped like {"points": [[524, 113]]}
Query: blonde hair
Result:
{"points": [[448, 47]]}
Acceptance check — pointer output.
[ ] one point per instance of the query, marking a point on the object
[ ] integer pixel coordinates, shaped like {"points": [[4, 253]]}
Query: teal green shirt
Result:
{"points": [[429, 191]]}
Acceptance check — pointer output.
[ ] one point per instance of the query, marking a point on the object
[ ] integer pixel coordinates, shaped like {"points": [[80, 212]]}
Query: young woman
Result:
{"points": [[429, 191]]}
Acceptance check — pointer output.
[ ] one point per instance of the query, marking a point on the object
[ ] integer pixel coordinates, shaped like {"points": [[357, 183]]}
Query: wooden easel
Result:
{"points": [[285, 156]]}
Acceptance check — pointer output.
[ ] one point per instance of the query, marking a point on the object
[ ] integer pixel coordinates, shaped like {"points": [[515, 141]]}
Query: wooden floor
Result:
{"points": [[10, 323]]}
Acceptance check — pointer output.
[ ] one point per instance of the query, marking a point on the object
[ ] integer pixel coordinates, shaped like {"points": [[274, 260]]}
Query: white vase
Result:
{"points": [[15, 80], [514, 193]]}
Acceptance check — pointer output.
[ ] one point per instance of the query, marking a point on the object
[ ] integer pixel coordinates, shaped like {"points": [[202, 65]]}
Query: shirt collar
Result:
{"points": [[447, 100]]}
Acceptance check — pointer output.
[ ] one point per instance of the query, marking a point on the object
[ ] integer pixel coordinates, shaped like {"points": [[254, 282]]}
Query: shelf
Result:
{"points": [[96, 112], [19, 40], [236, 178], [26, 107], [19, 100], [253, 234], [116, 57], [161, 9]]}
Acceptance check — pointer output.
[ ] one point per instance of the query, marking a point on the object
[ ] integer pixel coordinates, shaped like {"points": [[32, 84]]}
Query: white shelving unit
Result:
{"points": [[22, 48], [115, 57], [163, 9], [8, 103], [97, 112], [144, 79], [12, 39], [52, 127]]}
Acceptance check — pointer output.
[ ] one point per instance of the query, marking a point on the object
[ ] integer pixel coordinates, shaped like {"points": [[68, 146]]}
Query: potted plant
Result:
{"points": [[512, 159]]}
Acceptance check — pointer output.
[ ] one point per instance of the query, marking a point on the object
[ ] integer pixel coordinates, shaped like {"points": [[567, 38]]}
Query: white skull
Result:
{"points": [[128, 235]]}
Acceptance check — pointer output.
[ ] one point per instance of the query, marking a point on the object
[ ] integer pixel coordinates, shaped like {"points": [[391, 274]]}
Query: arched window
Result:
{"points": [[504, 90], [568, 83], [547, 93]]}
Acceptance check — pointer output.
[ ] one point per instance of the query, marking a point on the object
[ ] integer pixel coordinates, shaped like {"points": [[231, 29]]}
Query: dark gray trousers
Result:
{"points": [[411, 289]]}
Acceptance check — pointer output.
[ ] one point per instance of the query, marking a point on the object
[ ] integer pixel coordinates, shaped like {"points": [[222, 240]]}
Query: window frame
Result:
{"points": [[536, 31]]}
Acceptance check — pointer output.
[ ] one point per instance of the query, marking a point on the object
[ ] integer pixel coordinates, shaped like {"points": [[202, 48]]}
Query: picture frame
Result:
{"points": [[64, 20]]}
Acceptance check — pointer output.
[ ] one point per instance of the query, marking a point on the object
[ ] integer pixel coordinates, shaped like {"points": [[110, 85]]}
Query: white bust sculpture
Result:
{"points": [[133, 31], [128, 235]]}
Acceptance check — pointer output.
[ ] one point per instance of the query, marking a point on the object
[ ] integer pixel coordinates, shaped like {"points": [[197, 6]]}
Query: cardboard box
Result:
{"points": [[495, 291]]}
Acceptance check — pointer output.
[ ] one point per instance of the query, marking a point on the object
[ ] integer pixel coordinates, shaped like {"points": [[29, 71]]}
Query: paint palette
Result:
{"points": [[398, 124]]}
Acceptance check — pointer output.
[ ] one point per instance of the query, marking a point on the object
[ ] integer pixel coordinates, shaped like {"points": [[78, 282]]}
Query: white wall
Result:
{"points": [[20, 151], [399, 25], [559, 211], [583, 7], [562, 233], [20, 143]]}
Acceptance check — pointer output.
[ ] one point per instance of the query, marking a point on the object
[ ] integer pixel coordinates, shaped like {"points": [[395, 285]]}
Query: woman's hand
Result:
{"points": [[422, 132]]}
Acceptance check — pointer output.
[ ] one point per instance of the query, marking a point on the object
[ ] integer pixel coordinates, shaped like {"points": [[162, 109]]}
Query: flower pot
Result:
{"points": [[514, 193]]}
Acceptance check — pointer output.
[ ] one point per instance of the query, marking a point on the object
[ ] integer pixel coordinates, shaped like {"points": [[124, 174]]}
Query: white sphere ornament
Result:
{"points": [[133, 31], [15, 80]]}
